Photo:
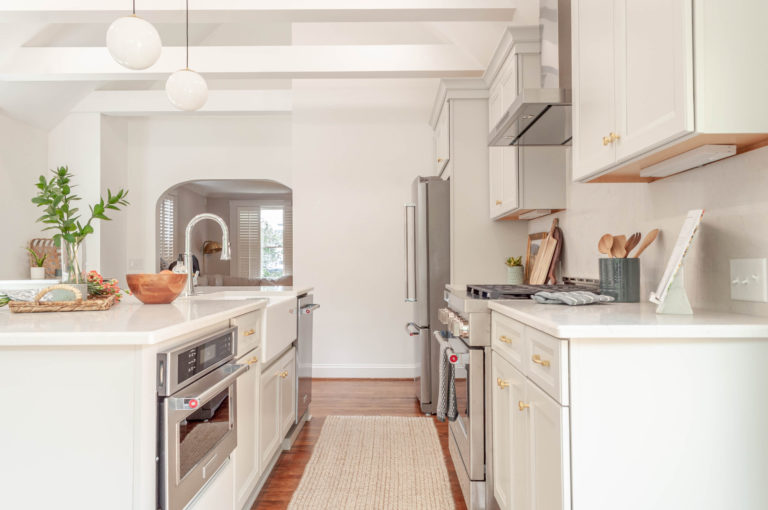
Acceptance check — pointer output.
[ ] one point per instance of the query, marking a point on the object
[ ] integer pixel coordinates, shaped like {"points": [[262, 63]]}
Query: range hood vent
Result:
{"points": [[541, 115]]}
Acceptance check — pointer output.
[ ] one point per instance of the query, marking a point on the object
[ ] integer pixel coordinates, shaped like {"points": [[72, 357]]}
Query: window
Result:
{"points": [[264, 241], [167, 230]]}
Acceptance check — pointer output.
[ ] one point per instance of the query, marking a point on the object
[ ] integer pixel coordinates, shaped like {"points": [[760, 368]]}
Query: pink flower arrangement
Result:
{"points": [[98, 286]]}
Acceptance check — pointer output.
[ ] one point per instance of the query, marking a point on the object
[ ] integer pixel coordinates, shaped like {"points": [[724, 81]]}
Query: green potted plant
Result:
{"points": [[37, 272], [514, 270], [61, 214]]}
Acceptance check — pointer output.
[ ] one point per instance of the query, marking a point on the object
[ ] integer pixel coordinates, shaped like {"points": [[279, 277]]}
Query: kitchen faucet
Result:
{"points": [[225, 248]]}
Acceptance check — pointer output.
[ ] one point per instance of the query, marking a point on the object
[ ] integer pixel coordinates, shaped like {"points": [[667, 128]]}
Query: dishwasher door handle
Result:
{"points": [[308, 309]]}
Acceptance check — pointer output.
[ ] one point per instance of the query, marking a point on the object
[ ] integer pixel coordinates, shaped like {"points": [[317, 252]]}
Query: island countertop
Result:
{"points": [[629, 320], [127, 323]]}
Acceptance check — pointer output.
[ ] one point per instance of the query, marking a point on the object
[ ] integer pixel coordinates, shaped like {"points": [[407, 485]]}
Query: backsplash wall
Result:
{"points": [[734, 194]]}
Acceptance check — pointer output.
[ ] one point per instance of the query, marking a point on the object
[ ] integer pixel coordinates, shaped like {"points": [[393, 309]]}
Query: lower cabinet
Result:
{"points": [[246, 458], [531, 447], [278, 388], [217, 494]]}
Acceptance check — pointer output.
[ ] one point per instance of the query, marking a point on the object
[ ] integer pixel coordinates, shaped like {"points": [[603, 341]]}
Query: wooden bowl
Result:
{"points": [[156, 289]]}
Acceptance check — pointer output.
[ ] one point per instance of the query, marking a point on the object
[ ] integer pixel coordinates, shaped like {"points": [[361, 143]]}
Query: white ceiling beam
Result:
{"points": [[145, 102], [361, 61], [221, 11]]}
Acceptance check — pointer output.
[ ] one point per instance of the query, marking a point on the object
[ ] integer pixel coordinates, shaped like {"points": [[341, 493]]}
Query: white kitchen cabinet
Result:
{"points": [[636, 64], [495, 104], [549, 464], [287, 392], [273, 402], [442, 138], [246, 458], [218, 493], [526, 182], [510, 436]]}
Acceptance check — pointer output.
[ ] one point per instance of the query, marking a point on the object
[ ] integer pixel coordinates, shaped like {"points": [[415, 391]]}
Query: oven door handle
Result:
{"points": [[195, 400]]}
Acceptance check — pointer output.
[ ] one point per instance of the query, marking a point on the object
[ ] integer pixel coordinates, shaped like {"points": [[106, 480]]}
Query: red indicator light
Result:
{"points": [[454, 358], [193, 403]]}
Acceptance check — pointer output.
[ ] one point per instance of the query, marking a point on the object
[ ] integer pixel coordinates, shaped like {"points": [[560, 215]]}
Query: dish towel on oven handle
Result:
{"points": [[573, 298], [446, 397]]}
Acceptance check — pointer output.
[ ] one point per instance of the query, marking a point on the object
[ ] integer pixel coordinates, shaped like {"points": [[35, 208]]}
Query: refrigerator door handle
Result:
{"points": [[413, 329], [410, 253]]}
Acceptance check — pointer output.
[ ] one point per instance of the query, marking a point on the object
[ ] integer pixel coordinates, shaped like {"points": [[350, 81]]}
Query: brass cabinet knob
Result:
{"points": [[614, 137], [502, 383], [253, 360], [505, 339], [439, 160], [537, 359], [283, 374], [522, 405], [498, 202], [607, 140], [249, 332]]}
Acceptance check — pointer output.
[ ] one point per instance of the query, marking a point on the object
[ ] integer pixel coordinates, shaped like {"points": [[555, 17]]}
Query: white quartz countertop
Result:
{"points": [[258, 290], [629, 320], [127, 323]]}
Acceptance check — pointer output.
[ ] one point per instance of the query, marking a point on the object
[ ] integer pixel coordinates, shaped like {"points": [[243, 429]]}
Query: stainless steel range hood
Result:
{"points": [[541, 115]]}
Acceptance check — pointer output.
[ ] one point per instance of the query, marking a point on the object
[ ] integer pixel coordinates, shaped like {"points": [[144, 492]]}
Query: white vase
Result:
{"points": [[514, 275], [37, 273]]}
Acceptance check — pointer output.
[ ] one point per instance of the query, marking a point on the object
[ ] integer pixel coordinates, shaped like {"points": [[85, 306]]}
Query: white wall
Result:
{"points": [[23, 158], [76, 143], [113, 176], [358, 145], [732, 191]]}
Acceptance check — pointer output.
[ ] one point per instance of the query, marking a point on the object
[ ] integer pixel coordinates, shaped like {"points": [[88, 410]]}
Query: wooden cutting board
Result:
{"points": [[544, 258]]}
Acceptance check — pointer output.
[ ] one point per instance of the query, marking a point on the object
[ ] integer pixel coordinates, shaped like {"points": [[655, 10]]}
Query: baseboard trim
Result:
{"points": [[363, 371]]}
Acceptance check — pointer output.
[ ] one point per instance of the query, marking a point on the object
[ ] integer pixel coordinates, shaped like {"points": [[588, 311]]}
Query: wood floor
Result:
{"points": [[373, 397]]}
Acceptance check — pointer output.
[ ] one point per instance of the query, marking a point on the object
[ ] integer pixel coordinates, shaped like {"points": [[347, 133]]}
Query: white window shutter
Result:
{"points": [[167, 231], [248, 242], [288, 239]]}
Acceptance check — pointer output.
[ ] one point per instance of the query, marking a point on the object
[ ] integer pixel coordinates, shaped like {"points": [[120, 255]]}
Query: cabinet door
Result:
{"points": [[594, 99], [269, 415], [549, 451], [218, 493], [247, 466], [443, 139], [494, 105], [510, 436], [495, 180], [288, 392], [654, 66], [508, 82]]}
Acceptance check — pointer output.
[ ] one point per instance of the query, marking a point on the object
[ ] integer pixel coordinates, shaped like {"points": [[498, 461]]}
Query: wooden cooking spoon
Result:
{"points": [[632, 242], [649, 238], [605, 243], [618, 249]]}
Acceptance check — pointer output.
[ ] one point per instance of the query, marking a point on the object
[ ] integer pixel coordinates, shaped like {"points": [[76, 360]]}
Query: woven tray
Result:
{"points": [[78, 305]]}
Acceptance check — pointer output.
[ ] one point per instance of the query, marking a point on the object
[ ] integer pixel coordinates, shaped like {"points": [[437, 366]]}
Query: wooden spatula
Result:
{"points": [[633, 240], [618, 250], [649, 238], [605, 244]]}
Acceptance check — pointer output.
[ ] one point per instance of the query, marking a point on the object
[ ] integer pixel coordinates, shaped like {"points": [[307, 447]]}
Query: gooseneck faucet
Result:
{"points": [[225, 248]]}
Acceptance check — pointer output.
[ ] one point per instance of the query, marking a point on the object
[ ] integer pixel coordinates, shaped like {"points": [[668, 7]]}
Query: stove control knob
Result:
{"points": [[459, 327], [443, 315]]}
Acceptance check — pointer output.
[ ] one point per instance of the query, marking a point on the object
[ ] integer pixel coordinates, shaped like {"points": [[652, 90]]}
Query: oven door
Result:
{"points": [[469, 428], [197, 432]]}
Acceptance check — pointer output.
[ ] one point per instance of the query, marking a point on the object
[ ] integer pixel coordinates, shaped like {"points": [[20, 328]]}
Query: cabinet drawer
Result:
{"points": [[248, 331], [547, 363], [508, 339]]}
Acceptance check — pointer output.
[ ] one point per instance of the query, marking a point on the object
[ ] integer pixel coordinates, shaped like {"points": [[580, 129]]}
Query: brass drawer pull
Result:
{"points": [[249, 332], [502, 383], [253, 360], [614, 137], [522, 405], [498, 202], [606, 140], [283, 374], [537, 359], [439, 160], [505, 339]]}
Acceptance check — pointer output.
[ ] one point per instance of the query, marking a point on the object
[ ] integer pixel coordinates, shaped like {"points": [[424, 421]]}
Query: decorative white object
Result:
{"points": [[37, 273], [133, 42], [185, 88], [670, 294]]}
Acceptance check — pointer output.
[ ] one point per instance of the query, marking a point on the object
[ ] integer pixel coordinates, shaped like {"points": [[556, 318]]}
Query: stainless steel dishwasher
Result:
{"points": [[306, 307]]}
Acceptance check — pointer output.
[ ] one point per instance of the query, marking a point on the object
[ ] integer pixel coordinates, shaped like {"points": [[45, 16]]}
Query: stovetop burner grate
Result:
{"points": [[521, 291]]}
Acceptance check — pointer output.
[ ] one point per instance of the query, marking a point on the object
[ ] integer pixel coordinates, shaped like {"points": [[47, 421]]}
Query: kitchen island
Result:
{"points": [[80, 394], [612, 406]]}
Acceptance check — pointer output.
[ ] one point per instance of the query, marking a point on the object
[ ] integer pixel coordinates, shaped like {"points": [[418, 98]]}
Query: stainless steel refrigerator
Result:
{"points": [[427, 271]]}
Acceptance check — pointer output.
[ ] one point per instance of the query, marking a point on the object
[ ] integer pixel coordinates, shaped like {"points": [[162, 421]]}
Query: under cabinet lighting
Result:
{"points": [[688, 160], [536, 213]]}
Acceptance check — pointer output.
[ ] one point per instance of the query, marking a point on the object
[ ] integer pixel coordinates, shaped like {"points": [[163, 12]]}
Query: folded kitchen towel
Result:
{"points": [[574, 298], [446, 396]]}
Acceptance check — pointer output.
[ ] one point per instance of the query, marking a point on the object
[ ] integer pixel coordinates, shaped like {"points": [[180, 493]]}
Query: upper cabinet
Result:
{"points": [[525, 182], [654, 79], [442, 139]]}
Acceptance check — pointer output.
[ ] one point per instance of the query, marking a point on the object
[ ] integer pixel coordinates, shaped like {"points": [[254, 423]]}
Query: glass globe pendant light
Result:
{"points": [[133, 42], [185, 88]]}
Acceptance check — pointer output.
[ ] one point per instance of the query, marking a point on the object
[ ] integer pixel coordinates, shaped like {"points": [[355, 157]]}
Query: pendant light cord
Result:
{"points": [[134, 7], [187, 33]]}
